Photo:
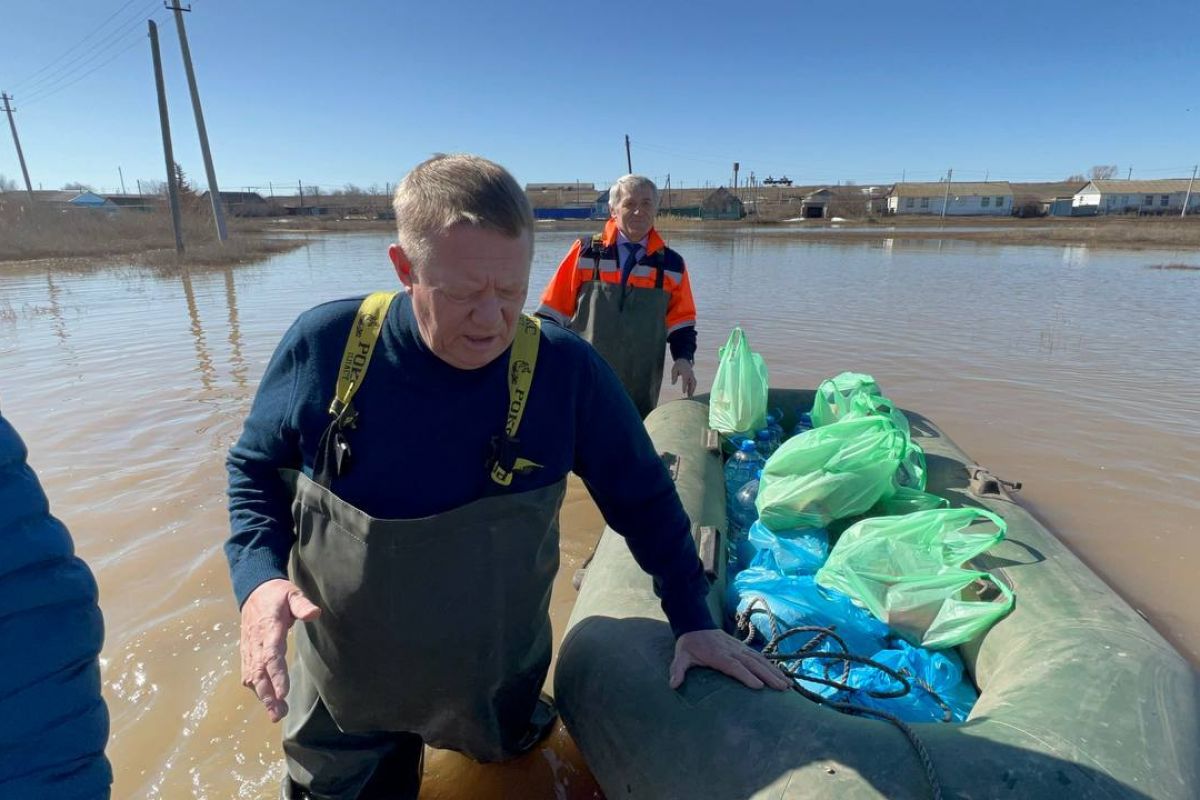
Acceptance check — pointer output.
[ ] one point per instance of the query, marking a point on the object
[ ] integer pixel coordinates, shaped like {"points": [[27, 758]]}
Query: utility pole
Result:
{"points": [[628, 158], [1129, 177], [946, 197], [122, 174], [214, 193], [1188, 196], [17, 142], [172, 187], [301, 185]]}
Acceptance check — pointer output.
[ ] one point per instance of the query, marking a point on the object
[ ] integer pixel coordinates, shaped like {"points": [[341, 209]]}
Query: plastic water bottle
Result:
{"points": [[743, 514], [803, 423], [741, 468], [775, 424], [764, 441]]}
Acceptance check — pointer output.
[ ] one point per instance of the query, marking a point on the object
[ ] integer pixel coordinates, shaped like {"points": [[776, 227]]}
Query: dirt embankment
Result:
{"points": [[143, 238]]}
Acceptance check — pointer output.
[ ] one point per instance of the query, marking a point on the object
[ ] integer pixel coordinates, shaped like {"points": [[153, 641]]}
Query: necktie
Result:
{"points": [[630, 260]]}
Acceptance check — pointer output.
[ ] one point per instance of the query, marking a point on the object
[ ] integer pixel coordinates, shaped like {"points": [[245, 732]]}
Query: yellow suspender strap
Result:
{"points": [[360, 344], [521, 362]]}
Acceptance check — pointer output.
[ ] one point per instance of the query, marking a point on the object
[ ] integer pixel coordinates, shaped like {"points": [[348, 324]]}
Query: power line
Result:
{"points": [[21, 83], [90, 72], [84, 63]]}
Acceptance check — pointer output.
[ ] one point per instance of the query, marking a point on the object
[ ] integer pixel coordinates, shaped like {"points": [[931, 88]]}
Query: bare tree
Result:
{"points": [[1076, 178], [75, 186], [7, 184], [1103, 172]]}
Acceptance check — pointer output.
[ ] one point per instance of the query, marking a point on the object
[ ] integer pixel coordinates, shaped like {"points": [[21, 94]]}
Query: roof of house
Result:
{"points": [[555, 198], [938, 189], [1164, 185], [565, 185], [237, 197], [1045, 192]]}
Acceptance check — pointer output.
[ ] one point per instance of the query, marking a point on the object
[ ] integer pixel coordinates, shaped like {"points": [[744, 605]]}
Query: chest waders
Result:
{"points": [[627, 326], [437, 626]]}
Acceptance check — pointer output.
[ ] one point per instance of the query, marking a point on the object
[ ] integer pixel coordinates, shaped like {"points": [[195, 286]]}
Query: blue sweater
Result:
{"points": [[423, 439], [53, 721]]}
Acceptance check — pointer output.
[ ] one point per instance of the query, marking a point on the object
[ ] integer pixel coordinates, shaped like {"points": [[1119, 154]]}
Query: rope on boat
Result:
{"points": [[790, 665]]}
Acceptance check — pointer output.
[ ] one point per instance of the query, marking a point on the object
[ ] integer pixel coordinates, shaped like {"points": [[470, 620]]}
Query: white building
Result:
{"points": [[1164, 196], [994, 198]]}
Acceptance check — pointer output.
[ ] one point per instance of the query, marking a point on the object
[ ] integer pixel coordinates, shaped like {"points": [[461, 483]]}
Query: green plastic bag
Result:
{"points": [[907, 570], [829, 473], [906, 500], [834, 396], [853, 395], [738, 403]]}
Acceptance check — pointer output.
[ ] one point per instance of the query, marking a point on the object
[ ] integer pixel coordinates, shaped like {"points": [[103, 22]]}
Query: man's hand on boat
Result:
{"points": [[720, 651], [267, 615], [682, 368]]}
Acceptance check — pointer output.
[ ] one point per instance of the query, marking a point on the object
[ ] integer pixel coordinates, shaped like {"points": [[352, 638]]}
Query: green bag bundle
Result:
{"points": [[908, 572], [738, 403], [829, 473], [834, 396], [853, 395]]}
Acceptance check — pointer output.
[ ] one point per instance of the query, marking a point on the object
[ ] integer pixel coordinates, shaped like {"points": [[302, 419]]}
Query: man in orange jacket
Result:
{"points": [[628, 294]]}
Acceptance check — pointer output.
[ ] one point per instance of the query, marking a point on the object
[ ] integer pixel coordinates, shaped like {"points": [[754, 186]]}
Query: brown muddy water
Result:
{"points": [[1070, 369]]}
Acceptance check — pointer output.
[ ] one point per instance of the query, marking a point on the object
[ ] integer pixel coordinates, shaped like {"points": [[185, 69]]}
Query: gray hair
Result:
{"points": [[447, 190], [630, 183]]}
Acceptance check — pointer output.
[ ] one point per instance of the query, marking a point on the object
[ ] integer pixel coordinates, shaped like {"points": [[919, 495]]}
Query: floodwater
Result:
{"points": [[1069, 369]]}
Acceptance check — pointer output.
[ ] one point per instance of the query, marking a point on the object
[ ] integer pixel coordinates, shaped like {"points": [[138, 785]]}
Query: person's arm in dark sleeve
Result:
{"points": [[682, 342], [634, 492], [260, 516], [681, 320]]}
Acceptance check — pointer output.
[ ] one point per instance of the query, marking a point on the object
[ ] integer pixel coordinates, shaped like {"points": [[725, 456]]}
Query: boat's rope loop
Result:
{"points": [[790, 665]]}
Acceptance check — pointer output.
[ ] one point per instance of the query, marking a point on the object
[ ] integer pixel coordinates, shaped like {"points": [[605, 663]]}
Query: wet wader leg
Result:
{"points": [[324, 763]]}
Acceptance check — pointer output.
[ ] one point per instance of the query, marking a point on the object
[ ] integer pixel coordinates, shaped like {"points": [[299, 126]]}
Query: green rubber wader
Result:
{"points": [[437, 626], [628, 327]]}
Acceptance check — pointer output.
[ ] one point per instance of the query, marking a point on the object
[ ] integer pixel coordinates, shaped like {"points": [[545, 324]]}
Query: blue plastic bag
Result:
{"points": [[797, 600], [796, 552], [940, 670]]}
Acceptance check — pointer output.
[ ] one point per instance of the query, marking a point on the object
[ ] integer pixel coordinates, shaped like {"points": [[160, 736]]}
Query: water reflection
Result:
{"points": [[208, 377], [59, 323], [237, 361]]}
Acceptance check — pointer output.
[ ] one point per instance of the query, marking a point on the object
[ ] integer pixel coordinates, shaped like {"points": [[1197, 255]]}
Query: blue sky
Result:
{"points": [[357, 92]]}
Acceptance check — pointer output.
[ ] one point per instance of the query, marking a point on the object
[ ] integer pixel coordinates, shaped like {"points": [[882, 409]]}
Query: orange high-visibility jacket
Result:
{"points": [[560, 298]]}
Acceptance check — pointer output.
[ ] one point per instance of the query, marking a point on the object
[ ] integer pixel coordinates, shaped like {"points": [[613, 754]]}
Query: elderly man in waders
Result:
{"points": [[396, 489], [628, 294]]}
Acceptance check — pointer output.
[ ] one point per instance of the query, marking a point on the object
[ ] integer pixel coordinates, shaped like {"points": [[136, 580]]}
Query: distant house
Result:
{"points": [[562, 200], [70, 199], [311, 208], [700, 204], [134, 202], [993, 199], [600, 206], [815, 205], [1164, 196], [722, 204], [573, 186], [1043, 199], [241, 204]]}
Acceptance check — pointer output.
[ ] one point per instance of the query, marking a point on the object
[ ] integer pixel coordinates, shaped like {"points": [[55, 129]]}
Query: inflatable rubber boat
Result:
{"points": [[1078, 695]]}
